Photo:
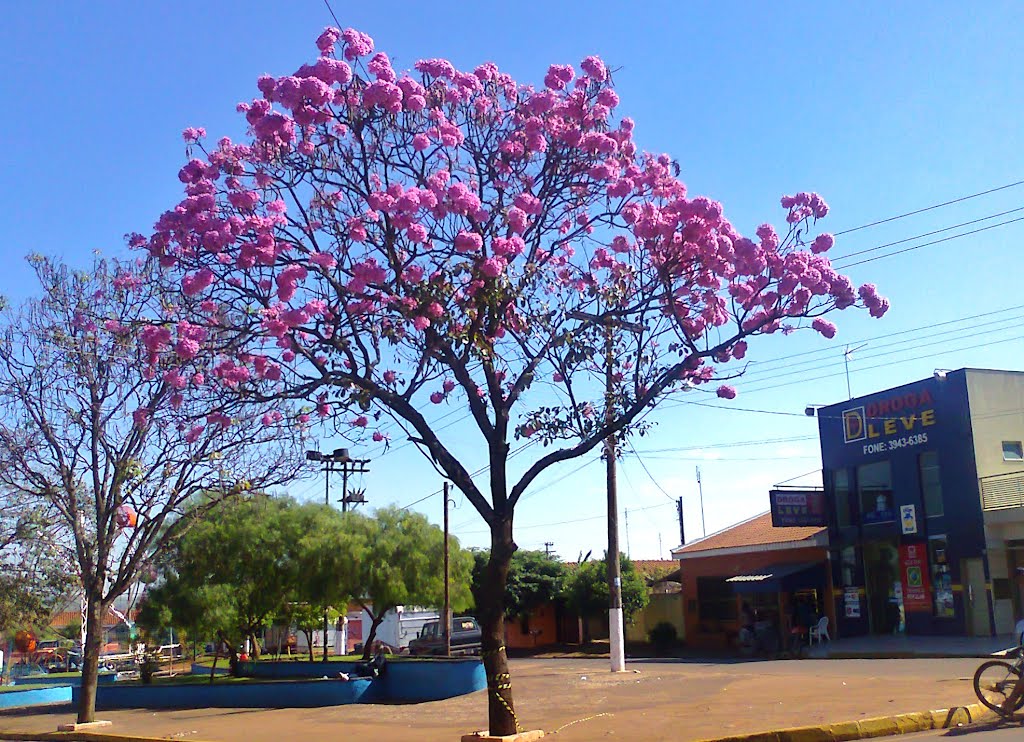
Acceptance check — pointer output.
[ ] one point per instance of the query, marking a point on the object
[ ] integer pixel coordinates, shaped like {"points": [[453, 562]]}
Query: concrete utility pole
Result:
{"points": [[616, 642], [682, 531], [700, 491], [446, 614]]}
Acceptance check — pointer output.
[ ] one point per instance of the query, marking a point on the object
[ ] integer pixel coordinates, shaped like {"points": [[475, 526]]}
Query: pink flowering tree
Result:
{"points": [[115, 440], [383, 242]]}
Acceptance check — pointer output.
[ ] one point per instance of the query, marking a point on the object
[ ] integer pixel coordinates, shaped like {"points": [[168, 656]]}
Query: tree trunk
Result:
{"points": [[375, 622], [213, 667], [309, 643], [91, 659], [491, 614]]}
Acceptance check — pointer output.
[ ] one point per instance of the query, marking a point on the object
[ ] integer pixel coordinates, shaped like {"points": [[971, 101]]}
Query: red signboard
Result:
{"points": [[917, 594]]}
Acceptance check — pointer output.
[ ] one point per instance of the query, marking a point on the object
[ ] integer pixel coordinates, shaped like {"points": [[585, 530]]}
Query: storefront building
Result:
{"points": [[925, 488], [757, 564]]}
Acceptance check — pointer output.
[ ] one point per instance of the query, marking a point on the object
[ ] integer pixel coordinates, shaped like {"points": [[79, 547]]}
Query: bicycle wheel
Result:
{"points": [[994, 682]]}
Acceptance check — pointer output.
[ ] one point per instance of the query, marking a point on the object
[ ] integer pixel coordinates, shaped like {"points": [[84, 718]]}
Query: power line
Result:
{"points": [[649, 475], [574, 520], [476, 473], [930, 208], [931, 325], [799, 476], [927, 234], [731, 444], [331, 11], [912, 343], [926, 244]]}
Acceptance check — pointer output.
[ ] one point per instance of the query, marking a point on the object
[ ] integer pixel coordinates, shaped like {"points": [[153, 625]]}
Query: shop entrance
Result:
{"points": [[883, 587], [973, 572]]}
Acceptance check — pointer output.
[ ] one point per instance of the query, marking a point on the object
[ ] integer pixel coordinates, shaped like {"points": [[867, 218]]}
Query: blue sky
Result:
{"points": [[878, 106]]}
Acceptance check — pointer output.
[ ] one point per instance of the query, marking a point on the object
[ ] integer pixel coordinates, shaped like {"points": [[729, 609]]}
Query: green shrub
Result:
{"points": [[663, 636]]}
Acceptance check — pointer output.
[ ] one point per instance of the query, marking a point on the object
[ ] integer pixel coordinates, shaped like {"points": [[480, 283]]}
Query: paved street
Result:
{"points": [[656, 700], [984, 732]]}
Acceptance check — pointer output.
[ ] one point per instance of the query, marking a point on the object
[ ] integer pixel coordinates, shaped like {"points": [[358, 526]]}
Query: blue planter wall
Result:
{"points": [[35, 697], [404, 681], [283, 694], [432, 680], [104, 679]]}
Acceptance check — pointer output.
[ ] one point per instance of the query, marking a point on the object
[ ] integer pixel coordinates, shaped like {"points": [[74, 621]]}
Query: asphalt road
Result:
{"points": [[986, 732]]}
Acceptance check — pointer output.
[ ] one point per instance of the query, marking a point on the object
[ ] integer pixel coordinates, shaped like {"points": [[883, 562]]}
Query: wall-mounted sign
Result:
{"points": [[798, 508], [914, 578], [851, 602], [908, 518], [892, 423]]}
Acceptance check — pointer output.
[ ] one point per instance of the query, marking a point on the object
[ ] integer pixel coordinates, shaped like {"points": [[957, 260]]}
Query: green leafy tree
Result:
{"points": [[325, 565], [587, 589], [233, 572], [535, 578], [403, 564]]}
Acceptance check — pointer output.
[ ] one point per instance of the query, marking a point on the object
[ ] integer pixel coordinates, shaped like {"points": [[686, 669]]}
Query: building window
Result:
{"points": [[841, 496], [931, 483], [942, 579], [874, 487], [1013, 451], [848, 566], [715, 599]]}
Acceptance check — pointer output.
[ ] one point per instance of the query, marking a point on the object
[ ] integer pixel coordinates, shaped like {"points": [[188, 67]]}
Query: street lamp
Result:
{"points": [[348, 465], [616, 638]]}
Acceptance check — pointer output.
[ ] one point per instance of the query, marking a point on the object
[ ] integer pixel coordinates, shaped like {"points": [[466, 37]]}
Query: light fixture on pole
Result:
{"points": [[616, 634], [348, 465]]}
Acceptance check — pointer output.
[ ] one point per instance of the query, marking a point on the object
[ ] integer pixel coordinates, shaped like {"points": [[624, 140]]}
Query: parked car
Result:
{"points": [[465, 638]]}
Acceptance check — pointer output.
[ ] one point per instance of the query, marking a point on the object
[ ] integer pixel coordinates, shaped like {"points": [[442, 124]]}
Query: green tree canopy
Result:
{"points": [[587, 588], [403, 564], [534, 578]]}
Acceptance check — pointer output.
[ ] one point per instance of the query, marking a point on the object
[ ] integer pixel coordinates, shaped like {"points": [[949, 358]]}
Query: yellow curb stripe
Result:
{"points": [[882, 726]]}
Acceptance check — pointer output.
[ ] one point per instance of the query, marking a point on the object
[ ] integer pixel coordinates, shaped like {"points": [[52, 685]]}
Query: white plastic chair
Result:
{"points": [[820, 631]]}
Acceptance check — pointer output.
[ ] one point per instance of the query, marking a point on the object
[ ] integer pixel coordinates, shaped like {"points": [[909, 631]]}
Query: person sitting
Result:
{"points": [[375, 666]]}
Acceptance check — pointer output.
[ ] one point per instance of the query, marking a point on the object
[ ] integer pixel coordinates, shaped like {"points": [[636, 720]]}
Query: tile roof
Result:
{"points": [[655, 567], [757, 531]]}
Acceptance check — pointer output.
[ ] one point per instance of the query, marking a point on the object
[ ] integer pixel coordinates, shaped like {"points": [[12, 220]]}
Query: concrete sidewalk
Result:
{"points": [[903, 647]]}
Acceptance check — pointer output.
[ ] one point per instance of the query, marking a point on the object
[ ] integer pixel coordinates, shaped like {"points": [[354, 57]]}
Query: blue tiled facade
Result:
{"points": [[907, 446]]}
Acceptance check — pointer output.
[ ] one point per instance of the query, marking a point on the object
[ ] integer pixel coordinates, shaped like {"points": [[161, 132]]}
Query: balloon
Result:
{"points": [[126, 517]]}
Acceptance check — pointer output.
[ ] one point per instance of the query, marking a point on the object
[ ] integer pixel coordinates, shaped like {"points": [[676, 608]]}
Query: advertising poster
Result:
{"points": [[851, 602], [914, 578]]}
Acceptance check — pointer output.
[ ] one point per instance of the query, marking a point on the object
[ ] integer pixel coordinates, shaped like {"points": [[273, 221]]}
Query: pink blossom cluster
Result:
{"points": [[426, 213]]}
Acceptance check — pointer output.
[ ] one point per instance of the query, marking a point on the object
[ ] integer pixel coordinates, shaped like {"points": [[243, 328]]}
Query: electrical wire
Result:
{"points": [[926, 234], [930, 208], [925, 244]]}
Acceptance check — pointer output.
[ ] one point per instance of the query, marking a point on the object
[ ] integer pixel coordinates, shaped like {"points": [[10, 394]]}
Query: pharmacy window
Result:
{"points": [[1013, 451]]}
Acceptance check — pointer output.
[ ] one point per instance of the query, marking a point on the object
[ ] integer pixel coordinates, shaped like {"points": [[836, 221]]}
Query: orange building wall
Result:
{"points": [[735, 564], [542, 629]]}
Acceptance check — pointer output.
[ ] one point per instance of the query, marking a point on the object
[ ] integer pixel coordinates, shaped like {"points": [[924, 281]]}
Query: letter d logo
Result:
{"points": [[854, 425]]}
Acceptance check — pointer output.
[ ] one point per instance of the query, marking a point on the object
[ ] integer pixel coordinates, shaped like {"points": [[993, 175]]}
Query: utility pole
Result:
{"points": [[682, 531], [616, 635], [700, 491], [446, 616], [348, 465], [547, 548]]}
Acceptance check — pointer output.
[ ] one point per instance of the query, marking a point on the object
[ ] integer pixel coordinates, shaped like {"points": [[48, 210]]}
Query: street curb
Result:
{"points": [[881, 726], [79, 737]]}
